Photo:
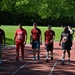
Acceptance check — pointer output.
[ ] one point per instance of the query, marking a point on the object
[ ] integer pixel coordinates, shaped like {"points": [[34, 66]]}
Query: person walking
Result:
{"points": [[36, 41], [20, 41], [49, 39], [66, 42]]}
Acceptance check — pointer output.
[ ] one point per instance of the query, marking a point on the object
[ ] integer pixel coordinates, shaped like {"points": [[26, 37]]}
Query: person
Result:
{"points": [[2, 40], [36, 41], [66, 42], [20, 41], [49, 39]]}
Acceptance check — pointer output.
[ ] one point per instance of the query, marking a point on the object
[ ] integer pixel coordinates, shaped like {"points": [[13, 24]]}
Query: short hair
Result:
{"points": [[20, 23], [49, 25], [35, 23]]}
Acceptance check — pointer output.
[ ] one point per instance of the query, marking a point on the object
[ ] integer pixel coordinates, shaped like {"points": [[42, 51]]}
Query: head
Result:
{"points": [[20, 25], [65, 28], [49, 27], [35, 25]]}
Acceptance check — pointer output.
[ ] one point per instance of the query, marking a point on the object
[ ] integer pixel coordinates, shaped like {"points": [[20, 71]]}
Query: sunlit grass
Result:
{"points": [[10, 31]]}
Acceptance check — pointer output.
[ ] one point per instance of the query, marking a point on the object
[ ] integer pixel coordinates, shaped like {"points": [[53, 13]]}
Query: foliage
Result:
{"points": [[42, 8]]}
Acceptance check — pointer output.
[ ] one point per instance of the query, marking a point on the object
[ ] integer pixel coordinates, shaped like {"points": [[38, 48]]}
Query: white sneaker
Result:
{"points": [[0, 61]]}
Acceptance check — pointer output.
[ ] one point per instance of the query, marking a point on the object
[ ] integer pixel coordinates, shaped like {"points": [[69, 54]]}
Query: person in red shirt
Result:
{"points": [[36, 40], [2, 38], [49, 38], [20, 41]]}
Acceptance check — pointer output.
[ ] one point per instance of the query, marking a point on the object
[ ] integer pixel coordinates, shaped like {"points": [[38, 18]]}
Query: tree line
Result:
{"points": [[55, 12]]}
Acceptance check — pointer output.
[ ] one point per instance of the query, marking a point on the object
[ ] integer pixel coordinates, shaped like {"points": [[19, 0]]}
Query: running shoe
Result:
{"points": [[38, 57], [0, 61], [34, 58], [22, 58], [62, 63], [17, 59], [51, 58], [47, 60], [68, 60]]}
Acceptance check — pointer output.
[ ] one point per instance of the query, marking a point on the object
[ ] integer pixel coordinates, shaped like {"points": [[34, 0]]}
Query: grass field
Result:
{"points": [[10, 30]]}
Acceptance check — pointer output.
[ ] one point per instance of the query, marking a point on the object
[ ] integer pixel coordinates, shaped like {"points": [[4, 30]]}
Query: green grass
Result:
{"points": [[10, 30]]}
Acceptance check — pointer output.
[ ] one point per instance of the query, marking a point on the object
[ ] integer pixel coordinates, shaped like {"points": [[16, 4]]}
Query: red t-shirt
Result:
{"points": [[20, 35], [1, 35], [49, 36], [36, 33]]}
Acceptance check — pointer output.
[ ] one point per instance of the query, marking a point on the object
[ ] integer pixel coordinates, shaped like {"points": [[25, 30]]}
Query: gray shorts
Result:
{"points": [[0, 47]]}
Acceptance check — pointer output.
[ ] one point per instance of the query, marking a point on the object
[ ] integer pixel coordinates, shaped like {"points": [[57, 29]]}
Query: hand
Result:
{"points": [[24, 43], [45, 43], [69, 27], [59, 43], [30, 43], [40, 43], [14, 43], [51, 41]]}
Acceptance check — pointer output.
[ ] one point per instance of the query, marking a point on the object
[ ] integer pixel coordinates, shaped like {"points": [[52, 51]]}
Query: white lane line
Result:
{"points": [[21, 67], [54, 66]]}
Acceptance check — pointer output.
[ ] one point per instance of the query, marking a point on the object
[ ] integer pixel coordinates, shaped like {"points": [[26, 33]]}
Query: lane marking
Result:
{"points": [[54, 66], [21, 67]]}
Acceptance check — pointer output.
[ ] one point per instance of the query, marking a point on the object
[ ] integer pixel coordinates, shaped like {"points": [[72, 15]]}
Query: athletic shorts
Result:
{"points": [[0, 47], [36, 45], [66, 46], [49, 47]]}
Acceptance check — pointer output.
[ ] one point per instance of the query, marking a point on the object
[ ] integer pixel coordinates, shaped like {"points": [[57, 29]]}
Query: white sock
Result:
{"points": [[62, 59], [47, 54]]}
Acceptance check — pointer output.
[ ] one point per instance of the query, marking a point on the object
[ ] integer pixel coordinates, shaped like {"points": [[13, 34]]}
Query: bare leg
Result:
{"points": [[52, 55], [68, 52], [47, 54], [63, 55]]}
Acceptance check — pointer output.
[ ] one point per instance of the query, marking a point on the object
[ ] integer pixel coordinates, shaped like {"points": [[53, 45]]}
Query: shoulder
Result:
{"points": [[2, 30], [52, 31], [32, 29], [24, 30], [46, 31], [62, 33]]}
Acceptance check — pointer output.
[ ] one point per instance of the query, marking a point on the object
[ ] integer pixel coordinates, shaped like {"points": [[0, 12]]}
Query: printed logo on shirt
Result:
{"points": [[19, 35]]}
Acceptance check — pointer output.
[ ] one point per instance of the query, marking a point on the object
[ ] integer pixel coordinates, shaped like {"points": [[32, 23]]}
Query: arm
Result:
{"points": [[25, 39], [53, 37], [44, 39], [71, 31], [31, 39], [40, 39], [15, 38], [60, 41], [4, 39]]}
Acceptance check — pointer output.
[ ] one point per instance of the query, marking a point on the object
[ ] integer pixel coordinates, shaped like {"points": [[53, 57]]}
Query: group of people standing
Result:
{"points": [[20, 39]]}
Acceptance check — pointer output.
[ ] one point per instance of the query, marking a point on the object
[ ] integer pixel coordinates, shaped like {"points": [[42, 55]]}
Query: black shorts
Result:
{"points": [[49, 47], [66, 45]]}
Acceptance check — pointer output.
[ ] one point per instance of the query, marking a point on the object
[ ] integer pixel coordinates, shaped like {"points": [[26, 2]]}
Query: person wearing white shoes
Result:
{"points": [[65, 42]]}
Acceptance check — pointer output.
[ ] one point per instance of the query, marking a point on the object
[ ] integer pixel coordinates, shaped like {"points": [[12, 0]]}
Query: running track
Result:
{"points": [[38, 67]]}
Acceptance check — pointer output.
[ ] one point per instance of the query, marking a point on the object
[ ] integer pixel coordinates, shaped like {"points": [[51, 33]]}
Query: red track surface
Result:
{"points": [[38, 67]]}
